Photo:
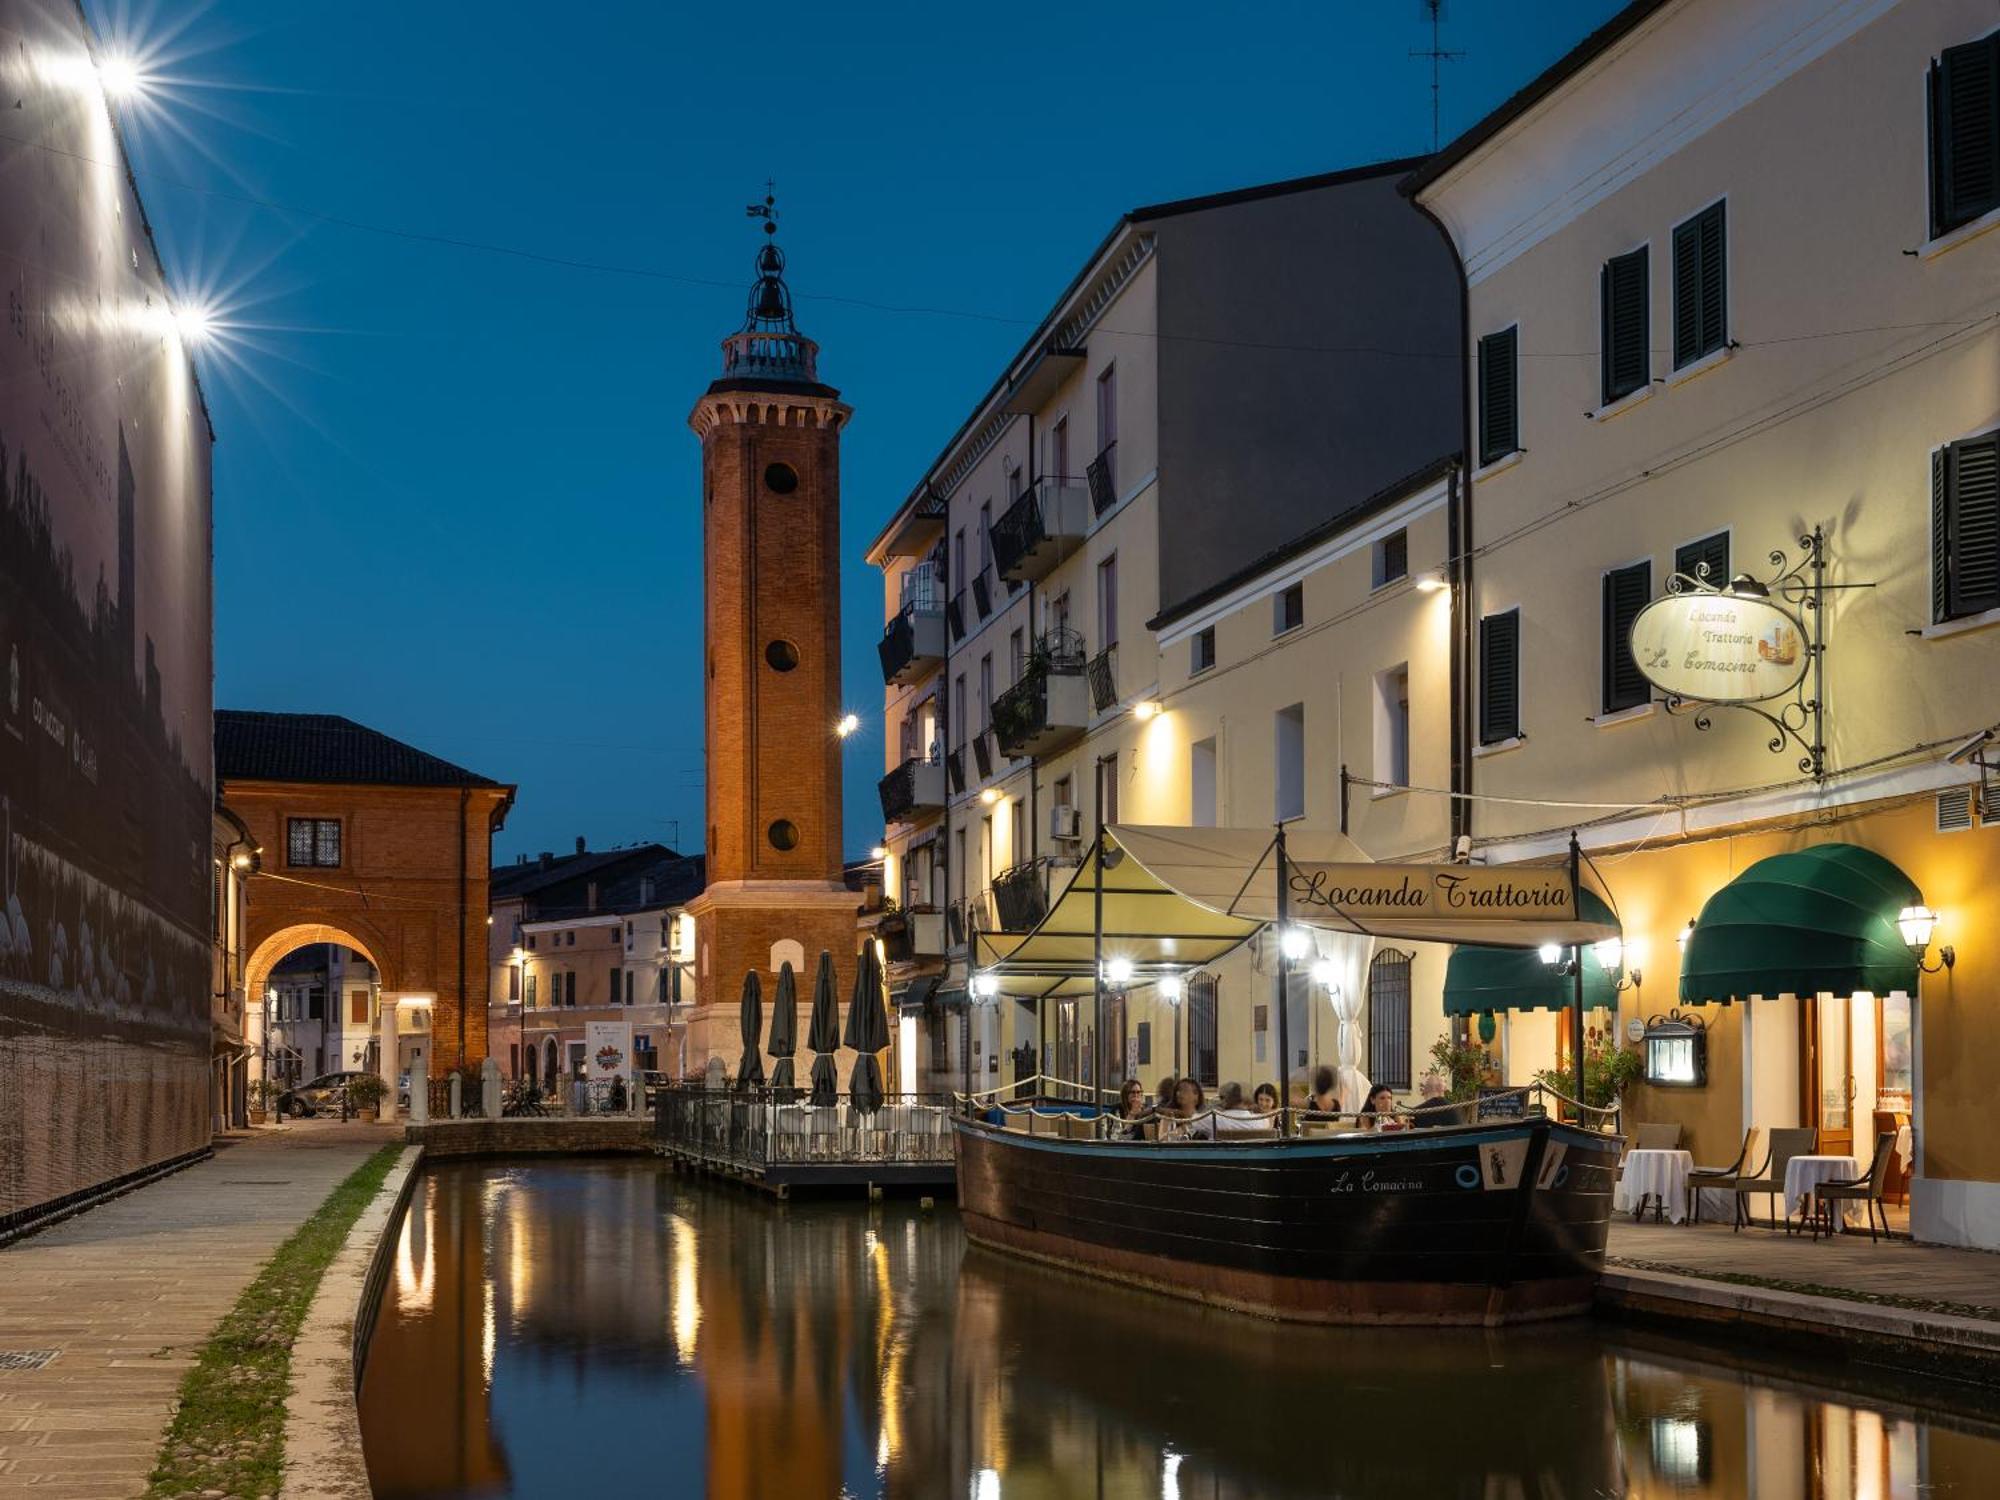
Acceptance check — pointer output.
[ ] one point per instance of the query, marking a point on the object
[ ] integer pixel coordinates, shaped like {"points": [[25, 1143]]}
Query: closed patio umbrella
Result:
{"points": [[750, 1074], [823, 1034], [784, 1029], [867, 1032]]}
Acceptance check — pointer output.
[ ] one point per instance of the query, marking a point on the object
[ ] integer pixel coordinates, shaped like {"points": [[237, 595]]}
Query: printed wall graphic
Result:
{"points": [[106, 785], [607, 1050]]}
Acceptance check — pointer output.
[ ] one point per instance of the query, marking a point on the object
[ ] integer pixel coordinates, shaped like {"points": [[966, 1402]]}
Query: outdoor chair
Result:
{"points": [[1661, 1136], [1769, 1179], [1720, 1178], [1866, 1189]]}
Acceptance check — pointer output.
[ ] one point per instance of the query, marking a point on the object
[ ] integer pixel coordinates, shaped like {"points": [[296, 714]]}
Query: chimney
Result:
{"points": [[546, 858], [579, 843]]}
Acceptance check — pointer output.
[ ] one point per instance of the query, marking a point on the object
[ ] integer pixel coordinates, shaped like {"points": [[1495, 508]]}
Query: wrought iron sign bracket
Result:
{"points": [[1798, 720]]}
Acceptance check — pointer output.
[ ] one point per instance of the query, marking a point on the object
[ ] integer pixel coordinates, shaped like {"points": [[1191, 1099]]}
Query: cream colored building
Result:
{"points": [[1202, 450], [1729, 287]]}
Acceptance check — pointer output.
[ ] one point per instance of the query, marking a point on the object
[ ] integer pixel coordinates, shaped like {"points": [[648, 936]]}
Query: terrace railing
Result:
{"points": [[757, 1129]]}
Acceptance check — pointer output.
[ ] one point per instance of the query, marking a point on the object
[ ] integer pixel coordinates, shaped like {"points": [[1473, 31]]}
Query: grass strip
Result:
{"points": [[1815, 1289], [228, 1432]]}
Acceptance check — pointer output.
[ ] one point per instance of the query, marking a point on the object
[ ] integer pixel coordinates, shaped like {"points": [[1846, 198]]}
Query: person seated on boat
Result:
{"points": [[1132, 1110], [1325, 1099], [1233, 1115], [1265, 1100], [1379, 1113], [1193, 1122], [1164, 1099]]}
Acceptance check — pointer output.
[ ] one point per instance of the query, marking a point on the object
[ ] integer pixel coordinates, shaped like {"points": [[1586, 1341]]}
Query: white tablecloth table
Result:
{"points": [[1662, 1175], [1805, 1173]]}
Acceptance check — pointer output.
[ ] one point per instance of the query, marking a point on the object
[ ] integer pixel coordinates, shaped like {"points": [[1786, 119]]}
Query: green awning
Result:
{"points": [[1819, 921], [1478, 978]]}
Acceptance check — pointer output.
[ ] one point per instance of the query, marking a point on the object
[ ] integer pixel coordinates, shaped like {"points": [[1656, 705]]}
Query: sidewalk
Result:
{"points": [[1924, 1300], [127, 1292]]}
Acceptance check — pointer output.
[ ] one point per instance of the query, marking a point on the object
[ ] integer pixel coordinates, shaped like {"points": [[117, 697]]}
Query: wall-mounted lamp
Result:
{"points": [[1169, 987], [879, 853], [989, 795], [1294, 943], [1916, 924], [985, 986], [1682, 937], [1433, 582], [1325, 974], [1145, 709]]}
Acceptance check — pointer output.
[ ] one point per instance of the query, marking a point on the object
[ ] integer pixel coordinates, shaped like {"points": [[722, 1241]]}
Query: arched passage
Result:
{"points": [[301, 1025]]}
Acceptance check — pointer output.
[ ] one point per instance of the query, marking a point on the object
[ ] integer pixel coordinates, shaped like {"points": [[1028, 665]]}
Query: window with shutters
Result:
{"points": [[1705, 561], [1201, 650], [1965, 528], [1964, 89], [1500, 677], [1499, 394], [1701, 300], [1626, 592], [1623, 296], [1389, 1019]]}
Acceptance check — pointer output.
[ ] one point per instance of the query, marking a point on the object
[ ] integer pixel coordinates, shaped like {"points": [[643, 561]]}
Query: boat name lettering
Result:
{"points": [[1369, 1183]]}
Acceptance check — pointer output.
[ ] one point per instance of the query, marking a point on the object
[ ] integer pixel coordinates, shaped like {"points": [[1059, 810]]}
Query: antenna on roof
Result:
{"points": [[1432, 13]]}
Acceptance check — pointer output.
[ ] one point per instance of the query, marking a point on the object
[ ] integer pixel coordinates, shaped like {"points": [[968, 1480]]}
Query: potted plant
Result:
{"points": [[1608, 1070], [262, 1092], [365, 1095]]}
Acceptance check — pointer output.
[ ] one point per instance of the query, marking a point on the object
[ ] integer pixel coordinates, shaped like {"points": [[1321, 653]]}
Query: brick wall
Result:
{"points": [[531, 1137]]}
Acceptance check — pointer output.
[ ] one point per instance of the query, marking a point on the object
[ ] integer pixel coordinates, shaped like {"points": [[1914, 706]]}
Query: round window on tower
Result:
{"points": [[783, 834], [781, 479], [782, 655]]}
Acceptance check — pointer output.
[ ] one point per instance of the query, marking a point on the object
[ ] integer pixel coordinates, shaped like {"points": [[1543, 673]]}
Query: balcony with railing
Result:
{"points": [[1050, 706], [1044, 526], [913, 936], [915, 789], [1102, 476], [913, 644], [1021, 895], [1104, 678]]}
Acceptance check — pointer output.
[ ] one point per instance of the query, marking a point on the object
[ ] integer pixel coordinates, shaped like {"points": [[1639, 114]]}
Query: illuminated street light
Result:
{"points": [[1293, 942], [1145, 709], [847, 725], [1117, 970], [989, 795], [878, 853], [985, 986], [1550, 953]]}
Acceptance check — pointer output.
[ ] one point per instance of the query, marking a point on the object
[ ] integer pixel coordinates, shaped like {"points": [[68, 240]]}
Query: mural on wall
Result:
{"points": [[105, 711]]}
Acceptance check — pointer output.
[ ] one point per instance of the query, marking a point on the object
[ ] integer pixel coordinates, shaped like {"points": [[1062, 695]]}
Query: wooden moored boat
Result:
{"points": [[1493, 1223]]}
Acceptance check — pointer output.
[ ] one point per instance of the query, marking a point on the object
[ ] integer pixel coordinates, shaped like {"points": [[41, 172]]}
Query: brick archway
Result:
{"points": [[267, 950]]}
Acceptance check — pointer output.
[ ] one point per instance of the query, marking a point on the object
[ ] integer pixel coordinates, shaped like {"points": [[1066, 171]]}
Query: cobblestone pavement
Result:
{"points": [[126, 1293], [1893, 1268]]}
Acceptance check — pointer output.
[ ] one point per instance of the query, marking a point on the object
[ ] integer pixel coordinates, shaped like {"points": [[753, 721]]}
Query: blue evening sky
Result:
{"points": [[455, 492]]}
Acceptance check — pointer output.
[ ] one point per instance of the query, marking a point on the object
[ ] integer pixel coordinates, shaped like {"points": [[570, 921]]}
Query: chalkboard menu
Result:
{"points": [[1502, 1104]]}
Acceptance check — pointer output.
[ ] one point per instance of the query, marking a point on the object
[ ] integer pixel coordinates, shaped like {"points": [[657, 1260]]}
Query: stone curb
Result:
{"points": [[323, 1458], [1959, 1340]]}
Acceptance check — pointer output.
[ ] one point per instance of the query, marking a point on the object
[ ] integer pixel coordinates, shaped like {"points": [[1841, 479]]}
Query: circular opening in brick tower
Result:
{"points": [[783, 834], [781, 479], [782, 655]]}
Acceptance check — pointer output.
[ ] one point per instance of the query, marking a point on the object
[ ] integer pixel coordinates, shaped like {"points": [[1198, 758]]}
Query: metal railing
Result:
{"points": [[982, 753], [756, 1129], [1020, 896], [1103, 674], [1102, 475]]}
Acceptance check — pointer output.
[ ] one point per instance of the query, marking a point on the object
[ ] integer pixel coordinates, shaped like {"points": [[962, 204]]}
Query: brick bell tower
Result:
{"points": [[770, 460]]}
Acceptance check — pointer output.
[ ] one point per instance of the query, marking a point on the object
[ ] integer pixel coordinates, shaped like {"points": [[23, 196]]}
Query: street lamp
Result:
{"points": [[1916, 923], [847, 725], [1293, 942]]}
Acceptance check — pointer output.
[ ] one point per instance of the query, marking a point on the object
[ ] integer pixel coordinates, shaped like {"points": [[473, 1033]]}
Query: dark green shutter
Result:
{"points": [[1712, 550], [1940, 537], [1500, 677], [1972, 530], [1700, 293], [1965, 133], [1499, 395], [1626, 322], [1625, 594]]}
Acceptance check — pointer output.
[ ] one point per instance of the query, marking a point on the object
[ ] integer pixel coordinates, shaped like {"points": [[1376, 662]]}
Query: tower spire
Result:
{"points": [[769, 345]]}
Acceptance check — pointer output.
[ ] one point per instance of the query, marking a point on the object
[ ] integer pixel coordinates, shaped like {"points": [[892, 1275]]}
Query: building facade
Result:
{"points": [[1732, 302], [321, 1010], [600, 935], [770, 458], [1141, 583], [376, 846], [233, 855]]}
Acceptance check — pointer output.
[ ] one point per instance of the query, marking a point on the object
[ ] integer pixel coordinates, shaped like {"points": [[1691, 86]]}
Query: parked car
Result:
{"points": [[322, 1096]]}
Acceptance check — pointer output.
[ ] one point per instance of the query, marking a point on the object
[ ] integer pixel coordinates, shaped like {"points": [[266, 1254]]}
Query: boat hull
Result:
{"points": [[1485, 1224]]}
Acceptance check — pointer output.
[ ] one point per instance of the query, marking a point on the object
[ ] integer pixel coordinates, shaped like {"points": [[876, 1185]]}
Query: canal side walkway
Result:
{"points": [[123, 1297], [1887, 1299]]}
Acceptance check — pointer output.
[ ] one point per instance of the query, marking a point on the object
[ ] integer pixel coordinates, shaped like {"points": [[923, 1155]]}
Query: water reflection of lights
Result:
{"points": [[1680, 1449], [1170, 1475], [415, 1282], [986, 1485], [686, 1276]]}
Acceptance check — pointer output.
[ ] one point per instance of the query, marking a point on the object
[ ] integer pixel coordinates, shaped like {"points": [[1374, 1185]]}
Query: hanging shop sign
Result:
{"points": [[1720, 647]]}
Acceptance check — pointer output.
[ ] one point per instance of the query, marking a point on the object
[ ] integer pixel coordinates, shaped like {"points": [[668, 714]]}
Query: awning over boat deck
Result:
{"points": [[1166, 899], [1478, 978], [1816, 921]]}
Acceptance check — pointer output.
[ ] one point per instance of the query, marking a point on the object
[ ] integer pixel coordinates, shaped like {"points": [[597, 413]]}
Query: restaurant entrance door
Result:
{"points": [[1829, 1072]]}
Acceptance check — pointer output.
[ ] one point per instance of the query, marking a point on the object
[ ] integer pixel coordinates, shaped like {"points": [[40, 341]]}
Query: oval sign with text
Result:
{"points": [[1719, 648]]}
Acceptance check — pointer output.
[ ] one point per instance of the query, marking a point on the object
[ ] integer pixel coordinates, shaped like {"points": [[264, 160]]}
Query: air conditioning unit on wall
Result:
{"points": [[1065, 823]]}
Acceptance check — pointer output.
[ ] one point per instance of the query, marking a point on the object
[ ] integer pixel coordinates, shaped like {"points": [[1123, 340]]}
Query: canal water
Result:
{"points": [[605, 1328]]}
